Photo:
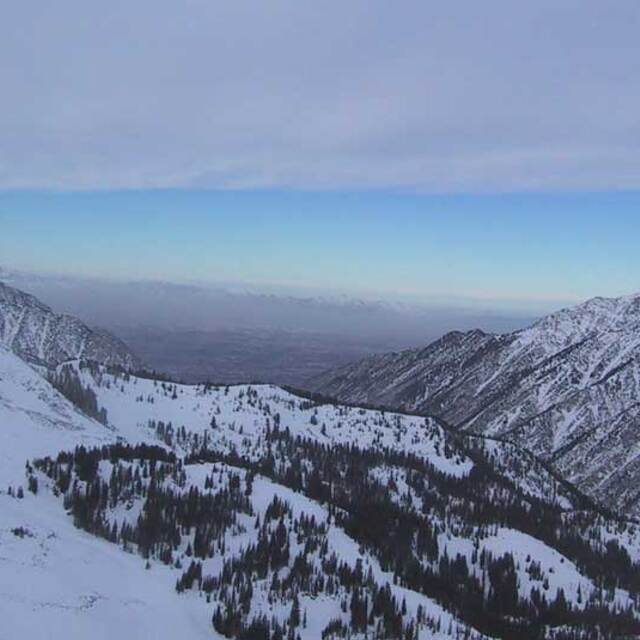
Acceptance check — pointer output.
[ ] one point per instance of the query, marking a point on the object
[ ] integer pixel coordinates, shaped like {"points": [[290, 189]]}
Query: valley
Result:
{"points": [[255, 511]]}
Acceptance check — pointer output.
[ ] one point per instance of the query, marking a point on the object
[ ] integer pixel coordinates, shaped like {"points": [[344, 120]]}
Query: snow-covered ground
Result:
{"points": [[55, 580], [59, 582], [242, 413], [35, 420]]}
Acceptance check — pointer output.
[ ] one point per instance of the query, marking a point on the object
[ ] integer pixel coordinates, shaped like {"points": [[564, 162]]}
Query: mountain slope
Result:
{"points": [[55, 580], [35, 419], [37, 334], [566, 388], [55, 576]]}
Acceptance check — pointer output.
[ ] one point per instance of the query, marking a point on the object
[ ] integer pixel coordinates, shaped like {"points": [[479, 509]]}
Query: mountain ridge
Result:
{"points": [[564, 388], [32, 330]]}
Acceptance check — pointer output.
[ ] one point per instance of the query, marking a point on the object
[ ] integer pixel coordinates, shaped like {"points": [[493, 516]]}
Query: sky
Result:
{"points": [[459, 96], [541, 248], [460, 149]]}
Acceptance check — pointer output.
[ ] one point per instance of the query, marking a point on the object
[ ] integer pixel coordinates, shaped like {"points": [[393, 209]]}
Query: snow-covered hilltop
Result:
{"points": [[567, 388], [34, 332]]}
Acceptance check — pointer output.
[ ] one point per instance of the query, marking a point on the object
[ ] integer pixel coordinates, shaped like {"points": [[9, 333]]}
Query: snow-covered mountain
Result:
{"points": [[255, 512], [56, 577], [567, 388], [34, 332]]}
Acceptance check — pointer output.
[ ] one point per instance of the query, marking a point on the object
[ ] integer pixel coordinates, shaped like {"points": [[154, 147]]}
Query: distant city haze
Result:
{"points": [[239, 333]]}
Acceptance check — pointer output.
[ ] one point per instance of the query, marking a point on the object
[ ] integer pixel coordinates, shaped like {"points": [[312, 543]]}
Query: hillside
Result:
{"points": [[37, 334], [566, 388], [54, 576]]}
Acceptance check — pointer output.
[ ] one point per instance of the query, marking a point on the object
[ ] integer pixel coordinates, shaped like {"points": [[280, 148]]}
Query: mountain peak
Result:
{"points": [[11, 296]]}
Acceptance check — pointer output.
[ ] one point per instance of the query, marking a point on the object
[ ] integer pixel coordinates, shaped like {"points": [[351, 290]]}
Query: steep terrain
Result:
{"points": [[567, 388], [37, 334]]}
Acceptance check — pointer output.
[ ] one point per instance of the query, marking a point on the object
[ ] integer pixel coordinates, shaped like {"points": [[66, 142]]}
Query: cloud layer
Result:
{"points": [[457, 96]]}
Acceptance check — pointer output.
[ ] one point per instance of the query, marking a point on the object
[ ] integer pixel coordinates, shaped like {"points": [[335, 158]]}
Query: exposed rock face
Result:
{"points": [[567, 388], [35, 333]]}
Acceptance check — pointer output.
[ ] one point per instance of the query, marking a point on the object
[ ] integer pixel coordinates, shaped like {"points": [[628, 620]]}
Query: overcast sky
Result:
{"points": [[430, 96]]}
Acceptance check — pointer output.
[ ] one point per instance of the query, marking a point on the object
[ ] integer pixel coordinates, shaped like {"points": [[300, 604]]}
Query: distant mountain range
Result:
{"points": [[567, 388]]}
